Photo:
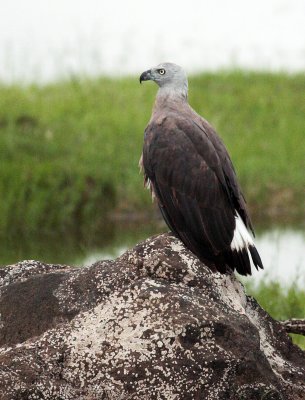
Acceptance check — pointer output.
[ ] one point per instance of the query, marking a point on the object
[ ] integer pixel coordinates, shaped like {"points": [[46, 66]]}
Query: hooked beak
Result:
{"points": [[146, 76]]}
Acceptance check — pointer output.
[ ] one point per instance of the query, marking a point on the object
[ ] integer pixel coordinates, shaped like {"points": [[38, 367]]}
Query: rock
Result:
{"points": [[153, 324]]}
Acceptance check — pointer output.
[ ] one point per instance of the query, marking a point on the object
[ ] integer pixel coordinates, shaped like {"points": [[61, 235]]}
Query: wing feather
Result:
{"points": [[228, 169]]}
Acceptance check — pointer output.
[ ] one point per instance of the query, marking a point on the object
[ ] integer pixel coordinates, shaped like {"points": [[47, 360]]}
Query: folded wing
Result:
{"points": [[197, 197]]}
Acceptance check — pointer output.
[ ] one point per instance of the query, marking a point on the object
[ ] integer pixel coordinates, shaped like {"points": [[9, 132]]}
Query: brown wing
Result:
{"points": [[228, 169], [188, 180]]}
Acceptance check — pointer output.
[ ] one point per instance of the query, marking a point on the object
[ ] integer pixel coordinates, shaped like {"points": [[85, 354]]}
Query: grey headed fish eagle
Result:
{"points": [[191, 175]]}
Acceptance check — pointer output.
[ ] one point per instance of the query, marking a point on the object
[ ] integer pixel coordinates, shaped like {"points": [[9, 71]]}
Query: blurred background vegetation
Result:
{"points": [[70, 150]]}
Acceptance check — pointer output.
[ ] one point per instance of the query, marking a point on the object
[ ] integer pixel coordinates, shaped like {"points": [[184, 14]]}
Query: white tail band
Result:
{"points": [[241, 238]]}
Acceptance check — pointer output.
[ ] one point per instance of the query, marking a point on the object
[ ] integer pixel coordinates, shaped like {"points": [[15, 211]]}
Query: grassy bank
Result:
{"points": [[281, 303], [70, 150]]}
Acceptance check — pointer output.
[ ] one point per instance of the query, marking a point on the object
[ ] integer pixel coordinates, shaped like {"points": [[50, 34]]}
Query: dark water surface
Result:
{"points": [[282, 249]]}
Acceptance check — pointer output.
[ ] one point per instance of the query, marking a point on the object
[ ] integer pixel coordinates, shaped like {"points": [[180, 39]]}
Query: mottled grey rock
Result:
{"points": [[153, 324]]}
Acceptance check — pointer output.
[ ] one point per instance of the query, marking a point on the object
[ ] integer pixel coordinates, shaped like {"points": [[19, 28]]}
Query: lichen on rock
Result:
{"points": [[153, 324]]}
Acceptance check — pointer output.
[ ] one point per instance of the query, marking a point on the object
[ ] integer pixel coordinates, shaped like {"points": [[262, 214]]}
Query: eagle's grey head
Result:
{"points": [[168, 76]]}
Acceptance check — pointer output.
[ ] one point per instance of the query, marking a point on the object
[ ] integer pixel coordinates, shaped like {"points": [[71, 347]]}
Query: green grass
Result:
{"points": [[281, 302], [70, 150]]}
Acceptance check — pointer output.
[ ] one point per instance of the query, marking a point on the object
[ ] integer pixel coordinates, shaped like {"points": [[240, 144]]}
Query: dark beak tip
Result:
{"points": [[145, 76]]}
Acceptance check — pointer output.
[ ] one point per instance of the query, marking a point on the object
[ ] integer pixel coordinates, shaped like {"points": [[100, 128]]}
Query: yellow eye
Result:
{"points": [[161, 71]]}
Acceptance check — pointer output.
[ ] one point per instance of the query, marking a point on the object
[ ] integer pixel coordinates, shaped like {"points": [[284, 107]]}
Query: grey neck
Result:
{"points": [[171, 91], [168, 94]]}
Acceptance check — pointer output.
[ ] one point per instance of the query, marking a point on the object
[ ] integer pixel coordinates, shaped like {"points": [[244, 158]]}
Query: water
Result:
{"points": [[283, 254], [42, 40], [282, 250]]}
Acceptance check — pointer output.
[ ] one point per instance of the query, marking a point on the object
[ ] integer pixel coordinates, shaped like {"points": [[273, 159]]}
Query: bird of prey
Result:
{"points": [[191, 175]]}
